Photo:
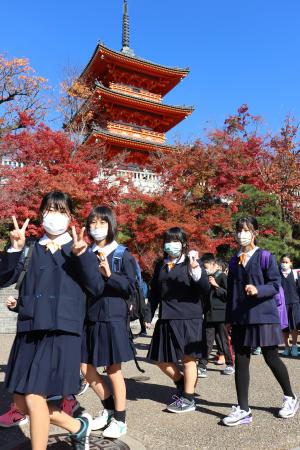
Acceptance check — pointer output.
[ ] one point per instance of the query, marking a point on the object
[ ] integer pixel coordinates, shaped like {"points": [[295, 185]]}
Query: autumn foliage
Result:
{"points": [[203, 187], [22, 100]]}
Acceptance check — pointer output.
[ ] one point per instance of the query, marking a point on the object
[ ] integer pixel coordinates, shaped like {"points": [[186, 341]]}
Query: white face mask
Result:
{"points": [[173, 249], [98, 234], [285, 266], [244, 238], [55, 224]]}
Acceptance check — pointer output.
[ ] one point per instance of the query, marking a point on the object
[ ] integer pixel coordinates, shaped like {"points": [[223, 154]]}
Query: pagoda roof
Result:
{"points": [[175, 114], [102, 56], [130, 142]]}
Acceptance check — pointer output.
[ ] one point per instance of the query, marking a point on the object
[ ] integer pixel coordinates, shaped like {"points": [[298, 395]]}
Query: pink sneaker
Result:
{"points": [[13, 418], [69, 406]]}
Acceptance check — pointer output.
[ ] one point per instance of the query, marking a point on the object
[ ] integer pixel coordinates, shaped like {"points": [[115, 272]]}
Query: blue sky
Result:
{"points": [[238, 52]]}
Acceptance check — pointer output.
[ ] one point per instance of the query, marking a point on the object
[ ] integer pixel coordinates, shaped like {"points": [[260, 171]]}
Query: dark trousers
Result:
{"points": [[212, 330]]}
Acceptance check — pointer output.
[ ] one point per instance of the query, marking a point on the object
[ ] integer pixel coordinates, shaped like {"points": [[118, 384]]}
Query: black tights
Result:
{"points": [[242, 375]]}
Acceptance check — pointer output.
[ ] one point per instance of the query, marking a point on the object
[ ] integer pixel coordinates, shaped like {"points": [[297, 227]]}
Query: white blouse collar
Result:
{"points": [[107, 250]]}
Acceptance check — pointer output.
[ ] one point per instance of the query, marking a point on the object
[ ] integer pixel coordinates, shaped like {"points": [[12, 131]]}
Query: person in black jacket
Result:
{"points": [[106, 336], [215, 317], [253, 317], [45, 358], [291, 290], [178, 287]]}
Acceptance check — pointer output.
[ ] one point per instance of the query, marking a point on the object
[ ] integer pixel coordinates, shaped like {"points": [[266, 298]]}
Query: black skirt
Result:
{"points": [[106, 343], [45, 363], [293, 314], [259, 335], [174, 338]]}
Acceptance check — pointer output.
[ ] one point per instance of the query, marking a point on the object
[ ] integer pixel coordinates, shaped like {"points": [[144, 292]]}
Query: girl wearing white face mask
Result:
{"points": [[253, 318], [291, 292], [45, 358], [178, 287], [106, 337]]}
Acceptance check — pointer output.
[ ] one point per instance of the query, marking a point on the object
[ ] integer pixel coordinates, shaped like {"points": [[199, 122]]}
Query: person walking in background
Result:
{"points": [[291, 290], [215, 318]]}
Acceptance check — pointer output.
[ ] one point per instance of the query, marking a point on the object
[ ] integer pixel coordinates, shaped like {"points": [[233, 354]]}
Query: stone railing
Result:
{"points": [[143, 180]]}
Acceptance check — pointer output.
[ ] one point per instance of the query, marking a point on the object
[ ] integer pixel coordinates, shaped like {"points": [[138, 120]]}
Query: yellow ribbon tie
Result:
{"points": [[170, 265], [243, 257], [52, 246]]}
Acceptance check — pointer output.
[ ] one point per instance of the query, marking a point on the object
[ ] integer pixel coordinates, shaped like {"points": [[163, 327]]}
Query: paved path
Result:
{"points": [[155, 429]]}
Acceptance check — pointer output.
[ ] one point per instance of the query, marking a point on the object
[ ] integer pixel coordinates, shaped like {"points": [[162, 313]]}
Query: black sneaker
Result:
{"points": [[80, 440], [84, 385], [181, 405]]}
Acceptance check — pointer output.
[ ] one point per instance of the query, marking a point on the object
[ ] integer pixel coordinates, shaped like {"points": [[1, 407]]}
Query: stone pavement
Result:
{"points": [[151, 428]]}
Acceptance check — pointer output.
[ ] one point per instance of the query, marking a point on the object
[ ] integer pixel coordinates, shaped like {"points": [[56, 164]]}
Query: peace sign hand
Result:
{"points": [[17, 236], [79, 245]]}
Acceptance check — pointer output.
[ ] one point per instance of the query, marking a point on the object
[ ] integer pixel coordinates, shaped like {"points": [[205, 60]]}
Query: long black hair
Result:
{"points": [[107, 214], [176, 234]]}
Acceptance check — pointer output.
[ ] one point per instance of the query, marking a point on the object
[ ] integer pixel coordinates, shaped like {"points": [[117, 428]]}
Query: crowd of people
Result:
{"points": [[73, 319]]}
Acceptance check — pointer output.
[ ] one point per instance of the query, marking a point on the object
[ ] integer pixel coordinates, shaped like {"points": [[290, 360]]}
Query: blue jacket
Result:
{"points": [[176, 293], [261, 308], [110, 304], [52, 294]]}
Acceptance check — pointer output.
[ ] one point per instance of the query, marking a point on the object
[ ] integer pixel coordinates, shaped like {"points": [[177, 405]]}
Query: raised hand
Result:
{"points": [[193, 259], [104, 266], [212, 281], [17, 236], [79, 244]]}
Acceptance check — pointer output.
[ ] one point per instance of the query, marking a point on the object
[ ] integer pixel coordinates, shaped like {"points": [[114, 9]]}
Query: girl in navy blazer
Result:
{"points": [[45, 357], [253, 318], [292, 303], [178, 287], [106, 336]]}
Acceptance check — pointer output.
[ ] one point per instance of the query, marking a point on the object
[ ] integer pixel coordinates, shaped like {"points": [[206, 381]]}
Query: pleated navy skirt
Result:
{"points": [[174, 338], [260, 335], [45, 363], [293, 314], [106, 343]]}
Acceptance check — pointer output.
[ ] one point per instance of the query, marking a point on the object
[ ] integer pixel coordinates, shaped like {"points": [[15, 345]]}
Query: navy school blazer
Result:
{"points": [[289, 285], [217, 299], [261, 308], [110, 304], [53, 293], [176, 293]]}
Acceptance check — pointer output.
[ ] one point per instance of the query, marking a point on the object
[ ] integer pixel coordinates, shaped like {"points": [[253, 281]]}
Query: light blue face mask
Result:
{"points": [[173, 249]]}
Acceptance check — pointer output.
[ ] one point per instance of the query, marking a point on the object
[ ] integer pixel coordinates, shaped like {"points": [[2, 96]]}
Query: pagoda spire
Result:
{"points": [[125, 32]]}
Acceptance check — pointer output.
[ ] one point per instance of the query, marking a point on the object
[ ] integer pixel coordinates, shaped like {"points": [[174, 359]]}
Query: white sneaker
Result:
{"points": [[115, 429], [237, 417], [289, 408], [229, 370], [104, 417]]}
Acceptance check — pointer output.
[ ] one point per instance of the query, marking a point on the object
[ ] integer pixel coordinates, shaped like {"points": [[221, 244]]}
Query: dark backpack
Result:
{"points": [[136, 304]]}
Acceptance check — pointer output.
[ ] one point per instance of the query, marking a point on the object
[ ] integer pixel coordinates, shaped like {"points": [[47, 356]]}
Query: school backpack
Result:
{"points": [[136, 304], [280, 299]]}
